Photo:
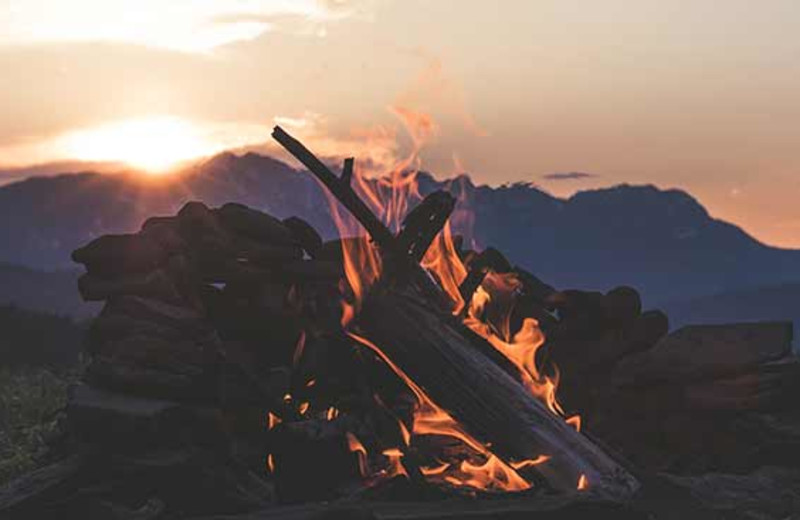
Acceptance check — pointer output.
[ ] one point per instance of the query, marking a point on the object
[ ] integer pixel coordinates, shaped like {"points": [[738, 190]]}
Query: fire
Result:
{"points": [[488, 314], [430, 419], [361, 452], [272, 420]]}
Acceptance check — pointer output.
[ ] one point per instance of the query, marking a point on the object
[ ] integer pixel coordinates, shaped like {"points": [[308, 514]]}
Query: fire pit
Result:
{"points": [[241, 365]]}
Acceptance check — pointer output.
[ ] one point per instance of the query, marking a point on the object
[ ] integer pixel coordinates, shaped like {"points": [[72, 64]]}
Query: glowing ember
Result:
{"points": [[272, 420]]}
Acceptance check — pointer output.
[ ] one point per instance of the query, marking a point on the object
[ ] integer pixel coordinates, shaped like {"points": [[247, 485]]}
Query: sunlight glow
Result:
{"points": [[155, 144]]}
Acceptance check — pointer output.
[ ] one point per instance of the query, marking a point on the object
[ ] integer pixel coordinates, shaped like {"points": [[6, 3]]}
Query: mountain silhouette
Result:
{"points": [[661, 241]]}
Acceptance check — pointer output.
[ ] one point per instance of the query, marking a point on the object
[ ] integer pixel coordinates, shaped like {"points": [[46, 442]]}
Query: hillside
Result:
{"points": [[774, 302], [661, 241]]}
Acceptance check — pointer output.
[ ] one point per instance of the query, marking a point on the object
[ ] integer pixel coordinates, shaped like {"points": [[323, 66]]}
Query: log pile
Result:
{"points": [[220, 382]]}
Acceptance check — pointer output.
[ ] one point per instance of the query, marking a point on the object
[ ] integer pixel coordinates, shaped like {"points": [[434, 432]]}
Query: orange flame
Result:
{"points": [[521, 347], [270, 463], [488, 314], [272, 420], [395, 465], [583, 483], [354, 445], [332, 413], [430, 419]]}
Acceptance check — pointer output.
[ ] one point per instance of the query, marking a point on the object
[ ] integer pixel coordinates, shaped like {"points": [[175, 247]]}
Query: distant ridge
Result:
{"points": [[661, 241]]}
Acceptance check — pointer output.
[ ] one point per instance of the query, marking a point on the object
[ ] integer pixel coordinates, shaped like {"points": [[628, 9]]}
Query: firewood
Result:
{"points": [[422, 224], [489, 403], [402, 263]]}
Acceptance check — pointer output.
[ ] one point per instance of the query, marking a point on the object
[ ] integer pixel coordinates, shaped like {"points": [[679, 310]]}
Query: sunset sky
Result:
{"points": [[702, 95]]}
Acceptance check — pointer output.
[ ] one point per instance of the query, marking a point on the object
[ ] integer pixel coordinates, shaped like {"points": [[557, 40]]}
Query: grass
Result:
{"points": [[30, 399]]}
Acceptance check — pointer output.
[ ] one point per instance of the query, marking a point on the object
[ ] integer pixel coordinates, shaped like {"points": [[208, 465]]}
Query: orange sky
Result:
{"points": [[700, 94]]}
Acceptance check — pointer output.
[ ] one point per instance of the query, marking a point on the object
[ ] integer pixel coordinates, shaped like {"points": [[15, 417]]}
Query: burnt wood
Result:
{"points": [[494, 407]]}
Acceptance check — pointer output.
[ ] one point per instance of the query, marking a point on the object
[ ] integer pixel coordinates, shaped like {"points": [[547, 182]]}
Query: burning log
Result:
{"points": [[449, 362], [494, 407]]}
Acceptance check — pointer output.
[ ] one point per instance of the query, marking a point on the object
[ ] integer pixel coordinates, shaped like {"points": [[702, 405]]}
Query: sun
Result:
{"points": [[152, 144]]}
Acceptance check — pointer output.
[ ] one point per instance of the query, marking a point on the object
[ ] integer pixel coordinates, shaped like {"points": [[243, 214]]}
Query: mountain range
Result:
{"points": [[663, 242]]}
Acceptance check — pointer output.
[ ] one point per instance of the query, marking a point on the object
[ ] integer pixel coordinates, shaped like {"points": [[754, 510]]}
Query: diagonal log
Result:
{"points": [[453, 365], [437, 352]]}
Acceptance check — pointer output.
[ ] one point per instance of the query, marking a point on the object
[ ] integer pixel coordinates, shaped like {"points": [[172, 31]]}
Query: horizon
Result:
{"points": [[567, 96], [55, 169]]}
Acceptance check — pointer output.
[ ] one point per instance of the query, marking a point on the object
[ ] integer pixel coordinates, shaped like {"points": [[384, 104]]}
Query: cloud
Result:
{"points": [[183, 25], [568, 176]]}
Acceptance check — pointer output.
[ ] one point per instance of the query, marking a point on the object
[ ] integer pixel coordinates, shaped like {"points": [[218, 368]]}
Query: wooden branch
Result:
{"points": [[488, 260], [347, 170], [423, 223], [340, 187], [398, 264]]}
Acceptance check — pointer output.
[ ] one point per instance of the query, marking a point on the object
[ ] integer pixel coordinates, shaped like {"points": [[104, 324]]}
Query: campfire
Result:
{"points": [[483, 412], [242, 364]]}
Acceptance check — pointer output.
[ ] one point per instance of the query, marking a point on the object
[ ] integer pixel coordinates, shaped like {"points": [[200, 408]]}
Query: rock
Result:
{"points": [[165, 231], [767, 493], [141, 381], [647, 329], [179, 317], [178, 357], [699, 352], [99, 414], [254, 224], [312, 270], [771, 385], [111, 325], [266, 254], [114, 255], [622, 305], [305, 235], [196, 218], [155, 284]]}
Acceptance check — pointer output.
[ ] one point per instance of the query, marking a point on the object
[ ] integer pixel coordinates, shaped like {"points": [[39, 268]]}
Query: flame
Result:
{"points": [[530, 462], [583, 483], [395, 465], [488, 314], [519, 348], [354, 445], [272, 420], [331, 414], [430, 419], [435, 470], [270, 463]]}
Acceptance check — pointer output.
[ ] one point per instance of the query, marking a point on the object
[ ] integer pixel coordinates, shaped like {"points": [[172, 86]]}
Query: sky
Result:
{"points": [[700, 95]]}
